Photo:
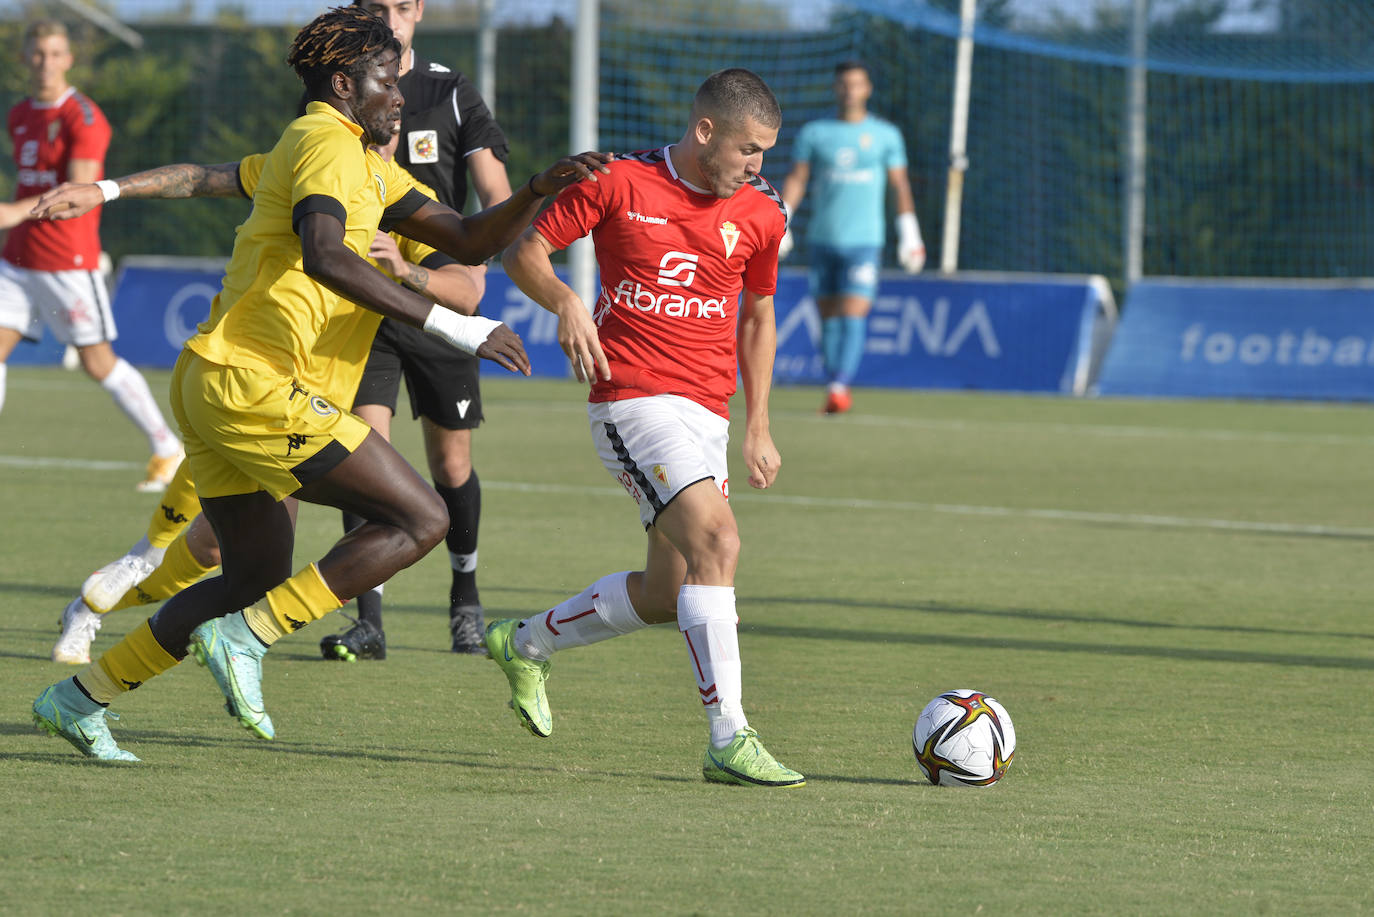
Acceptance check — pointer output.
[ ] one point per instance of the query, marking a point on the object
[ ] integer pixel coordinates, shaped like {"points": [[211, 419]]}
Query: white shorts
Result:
{"points": [[75, 305], [658, 446]]}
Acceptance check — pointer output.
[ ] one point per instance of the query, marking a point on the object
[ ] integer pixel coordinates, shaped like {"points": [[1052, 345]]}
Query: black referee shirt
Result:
{"points": [[444, 119]]}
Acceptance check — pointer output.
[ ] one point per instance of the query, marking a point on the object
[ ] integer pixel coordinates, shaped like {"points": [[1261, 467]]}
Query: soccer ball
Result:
{"points": [[964, 738]]}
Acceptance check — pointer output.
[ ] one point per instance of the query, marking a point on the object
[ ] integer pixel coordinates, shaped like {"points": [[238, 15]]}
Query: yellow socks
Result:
{"points": [[126, 665], [178, 506], [292, 605]]}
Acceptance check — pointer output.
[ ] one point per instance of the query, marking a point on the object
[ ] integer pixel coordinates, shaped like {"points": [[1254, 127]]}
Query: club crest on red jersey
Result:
{"points": [[729, 234]]}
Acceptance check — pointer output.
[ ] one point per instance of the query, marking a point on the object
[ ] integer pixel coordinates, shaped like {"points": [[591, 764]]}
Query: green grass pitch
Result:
{"points": [[1172, 599]]}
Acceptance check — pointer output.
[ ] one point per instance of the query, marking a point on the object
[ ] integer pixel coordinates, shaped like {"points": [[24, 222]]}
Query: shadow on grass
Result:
{"points": [[1033, 614], [1062, 646]]}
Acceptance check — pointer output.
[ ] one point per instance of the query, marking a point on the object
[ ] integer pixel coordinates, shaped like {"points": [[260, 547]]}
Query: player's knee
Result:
{"points": [[451, 468], [719, 545], [429, 523]]}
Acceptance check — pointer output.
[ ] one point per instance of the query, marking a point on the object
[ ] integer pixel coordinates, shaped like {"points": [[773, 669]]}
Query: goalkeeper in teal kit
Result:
{"points": [[848, 162]]}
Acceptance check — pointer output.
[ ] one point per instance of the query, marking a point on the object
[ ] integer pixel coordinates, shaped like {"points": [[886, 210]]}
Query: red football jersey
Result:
{"points": [[672, 261], [48, 136]]}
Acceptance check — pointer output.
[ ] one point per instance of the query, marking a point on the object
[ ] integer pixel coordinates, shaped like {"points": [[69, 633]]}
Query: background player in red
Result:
{"points": [[679, 232], [50, 271]]}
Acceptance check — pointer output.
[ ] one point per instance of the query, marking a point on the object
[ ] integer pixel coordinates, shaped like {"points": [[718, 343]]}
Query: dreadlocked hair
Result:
{"points": [[344, 39]]}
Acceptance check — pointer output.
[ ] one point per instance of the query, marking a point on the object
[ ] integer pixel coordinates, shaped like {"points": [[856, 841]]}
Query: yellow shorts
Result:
{"points": [[247, 430]]}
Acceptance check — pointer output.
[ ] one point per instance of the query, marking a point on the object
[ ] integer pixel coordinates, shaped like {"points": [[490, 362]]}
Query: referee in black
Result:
{"points": [[447, 135]]}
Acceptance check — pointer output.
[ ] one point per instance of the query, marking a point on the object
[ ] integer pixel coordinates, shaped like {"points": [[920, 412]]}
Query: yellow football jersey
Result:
{"points": [[270, 314]]}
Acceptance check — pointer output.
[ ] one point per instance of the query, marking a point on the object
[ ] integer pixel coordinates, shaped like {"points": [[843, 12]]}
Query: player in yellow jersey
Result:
{"points": [[179, 546], [247, 388]]}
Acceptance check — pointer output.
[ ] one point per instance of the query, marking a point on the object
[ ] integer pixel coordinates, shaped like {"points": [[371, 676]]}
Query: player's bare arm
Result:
{"points": [[794, 185], [793, 190], [474, 239], [12, 213], [529, 264], [73, 199], [451, 286], [756, 346], [326, 258], [488, 176]]}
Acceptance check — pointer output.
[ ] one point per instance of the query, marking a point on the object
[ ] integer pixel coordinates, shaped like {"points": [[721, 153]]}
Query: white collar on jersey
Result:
{"points": [[58, 102], [673, 172]]}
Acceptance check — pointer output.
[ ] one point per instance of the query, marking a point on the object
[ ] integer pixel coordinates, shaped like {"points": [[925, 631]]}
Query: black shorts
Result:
{"points": [[441, 380]]}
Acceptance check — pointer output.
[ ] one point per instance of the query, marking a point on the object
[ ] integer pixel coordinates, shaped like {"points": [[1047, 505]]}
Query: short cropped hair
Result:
{"points": [[346, 39], [735, 95], [851, 63], [43, 28]]}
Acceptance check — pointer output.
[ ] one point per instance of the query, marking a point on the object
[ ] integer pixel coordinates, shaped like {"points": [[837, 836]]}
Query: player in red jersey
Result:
{"points": [[50, 271], [679, 233]]}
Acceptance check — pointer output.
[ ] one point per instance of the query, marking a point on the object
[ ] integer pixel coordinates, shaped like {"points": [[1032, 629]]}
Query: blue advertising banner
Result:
{"points": [[1239, 338], [979, 331]]}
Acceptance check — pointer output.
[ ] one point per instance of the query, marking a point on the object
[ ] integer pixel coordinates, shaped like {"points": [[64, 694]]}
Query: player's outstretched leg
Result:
{"points": [[745, 762], [229, 649], [105, 587], [79, 625], [526, 678], [64, 710]]}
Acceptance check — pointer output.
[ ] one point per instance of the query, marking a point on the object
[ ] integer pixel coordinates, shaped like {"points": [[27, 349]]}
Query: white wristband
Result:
{"points": [[908, 231], [466, 332], [109, 189]]}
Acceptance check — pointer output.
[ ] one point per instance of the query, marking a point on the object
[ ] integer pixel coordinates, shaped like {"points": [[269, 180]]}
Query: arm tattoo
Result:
{"points": [[183, 180], [417, 279]]}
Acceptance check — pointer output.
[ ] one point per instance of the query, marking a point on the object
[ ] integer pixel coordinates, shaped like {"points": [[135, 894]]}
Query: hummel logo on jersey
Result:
{"points": [[294, 441], [463, 407], [636, 217], [729, 234], [677, 269]]}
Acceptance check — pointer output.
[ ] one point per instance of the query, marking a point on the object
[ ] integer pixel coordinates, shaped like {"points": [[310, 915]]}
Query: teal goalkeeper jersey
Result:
{"points": [[848, 187]]}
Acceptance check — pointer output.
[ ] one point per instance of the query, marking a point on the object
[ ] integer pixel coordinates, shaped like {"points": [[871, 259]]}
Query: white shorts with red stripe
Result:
{"points": [[659, 445], [75, 305]]}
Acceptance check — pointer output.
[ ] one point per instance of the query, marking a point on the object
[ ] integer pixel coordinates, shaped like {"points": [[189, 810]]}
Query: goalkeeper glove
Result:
{"points": [[911, 250]]}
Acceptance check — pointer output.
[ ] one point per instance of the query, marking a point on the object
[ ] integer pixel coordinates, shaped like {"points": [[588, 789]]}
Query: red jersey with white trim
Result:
{"points": [[673, 260], [47, 136]]}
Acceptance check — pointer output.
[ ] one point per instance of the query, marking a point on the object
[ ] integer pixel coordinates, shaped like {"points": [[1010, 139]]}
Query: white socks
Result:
{"points": [[599, 612], [706, 616], [130, 391]]}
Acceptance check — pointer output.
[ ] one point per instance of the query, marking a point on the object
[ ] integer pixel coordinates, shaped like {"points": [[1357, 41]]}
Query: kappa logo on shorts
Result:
{"points": [[322, 407], [294, 441]]}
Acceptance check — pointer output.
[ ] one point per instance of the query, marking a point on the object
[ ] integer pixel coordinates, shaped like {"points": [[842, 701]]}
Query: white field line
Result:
{"points": [[905, 506]]}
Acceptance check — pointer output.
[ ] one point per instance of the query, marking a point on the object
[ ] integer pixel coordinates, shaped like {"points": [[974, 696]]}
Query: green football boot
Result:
{"points": [[746, 762], [233, 655], [526, 678], [65, 711]]}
